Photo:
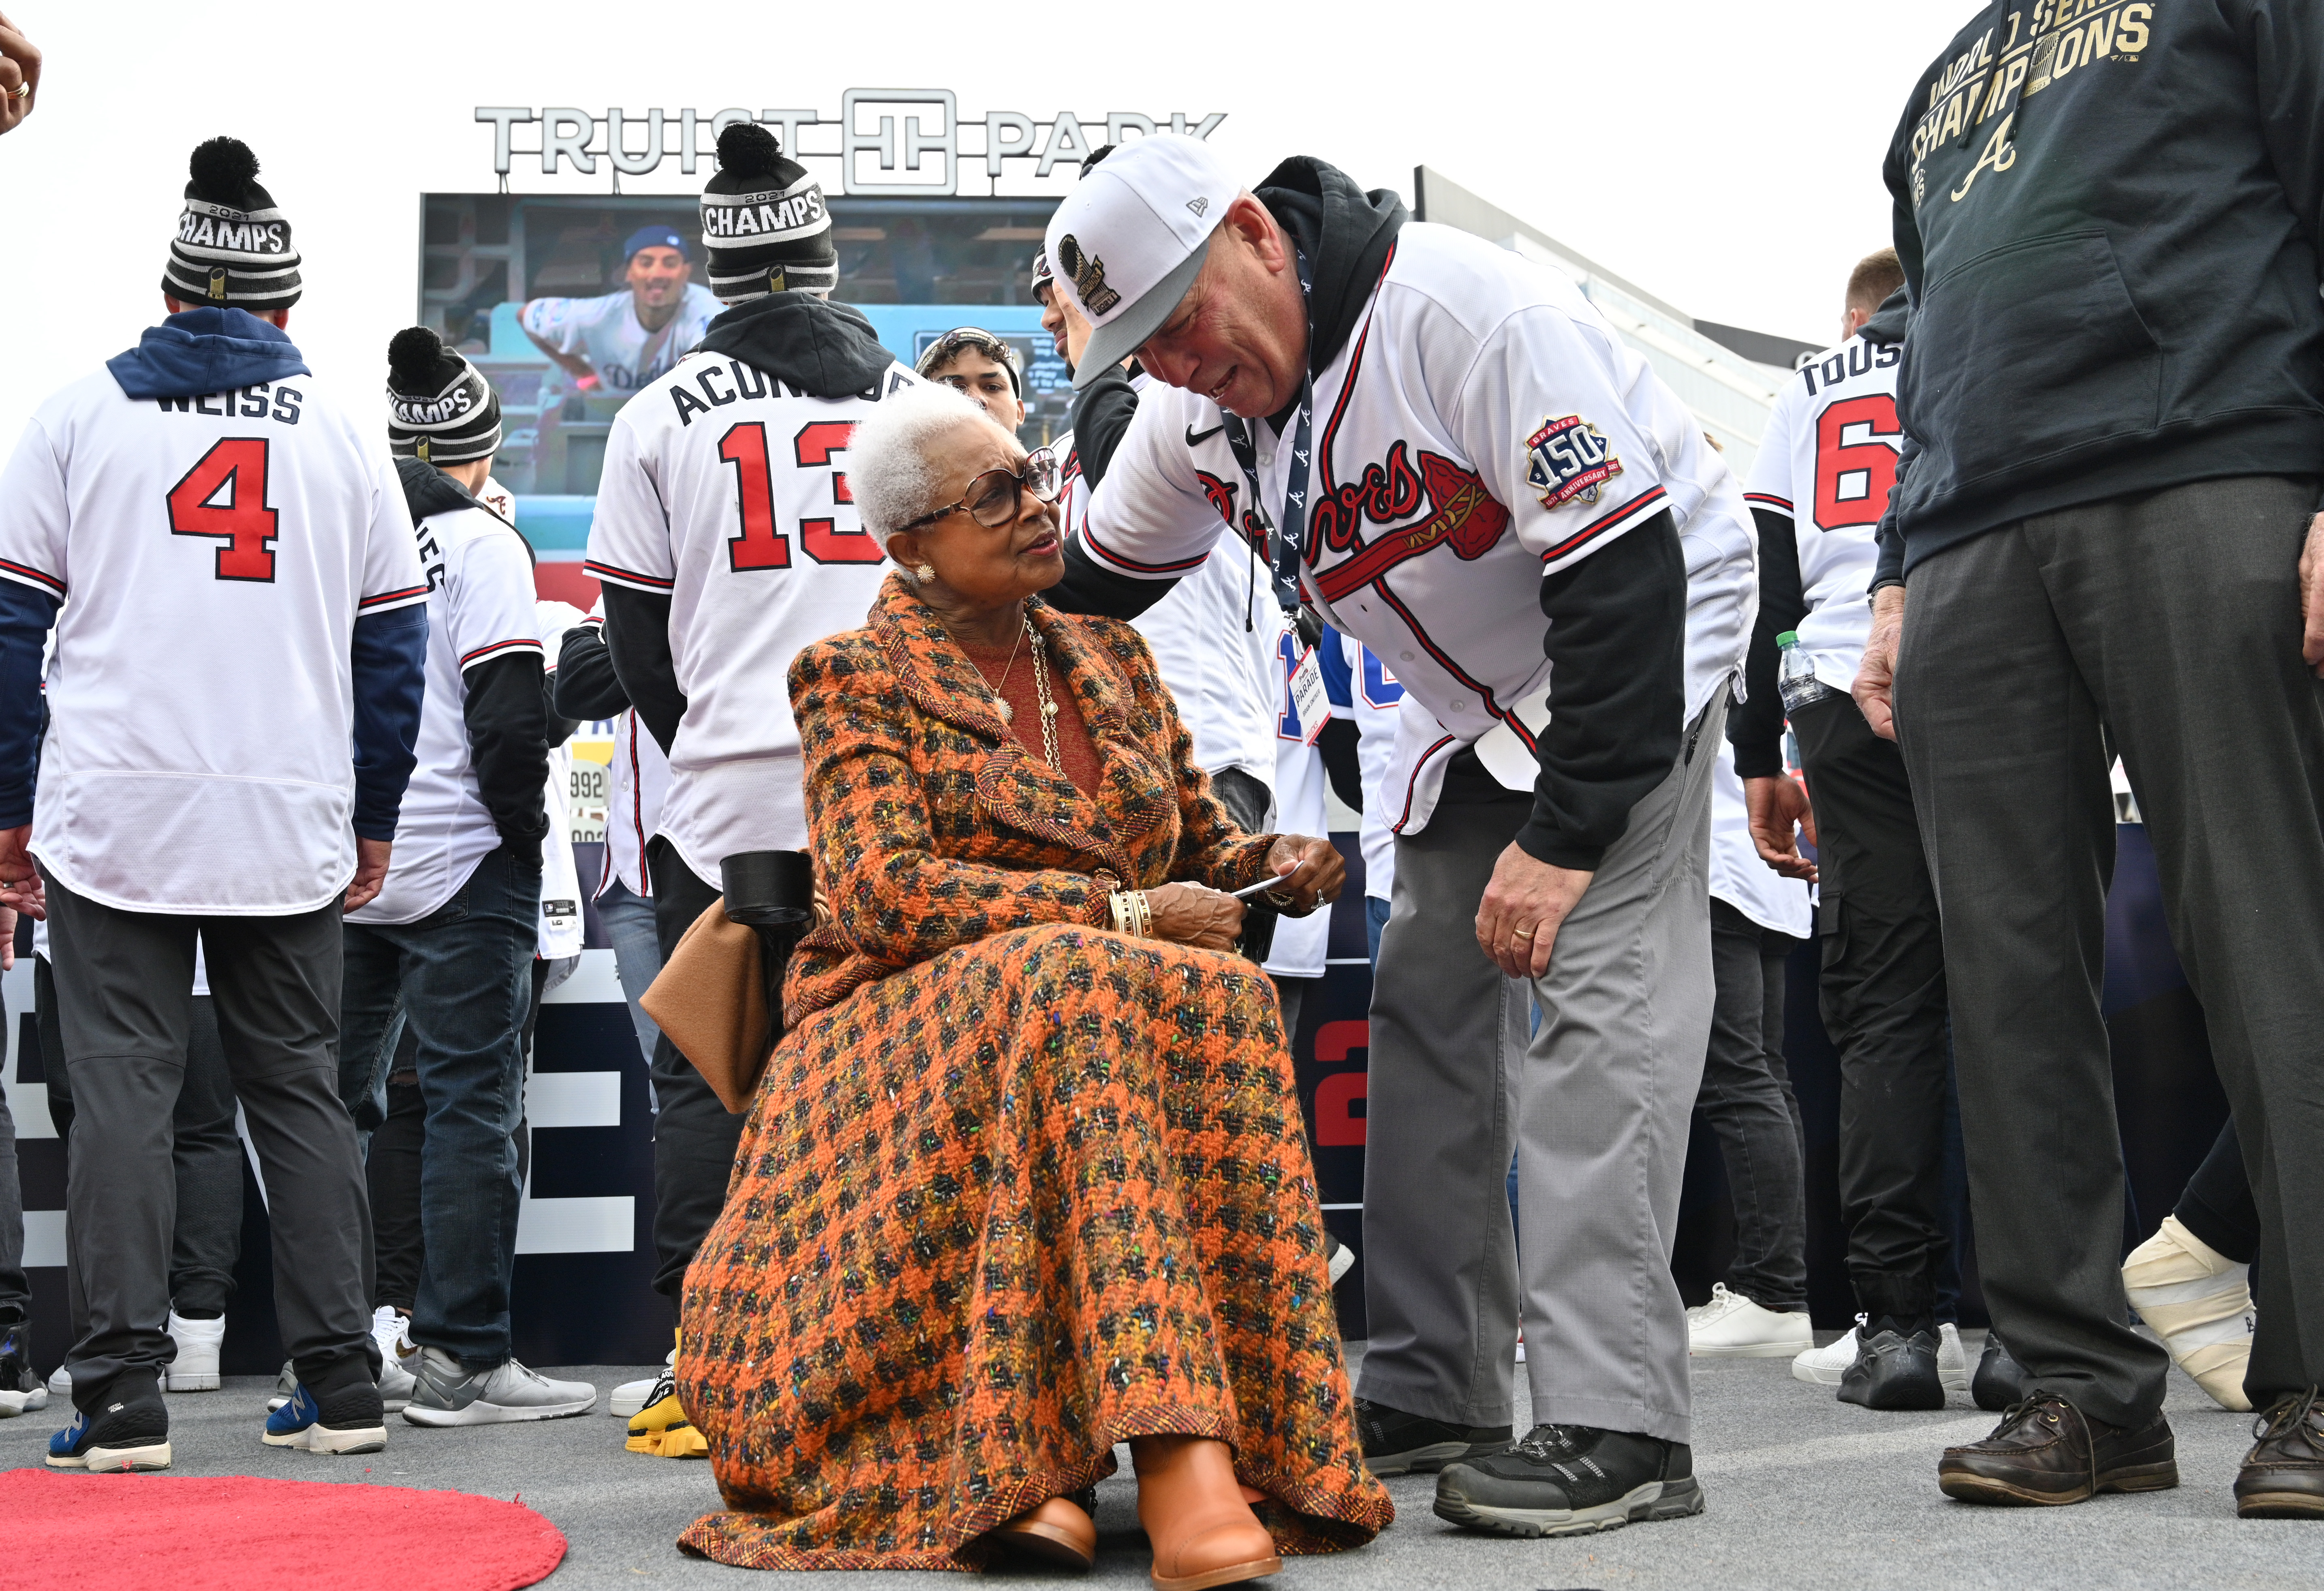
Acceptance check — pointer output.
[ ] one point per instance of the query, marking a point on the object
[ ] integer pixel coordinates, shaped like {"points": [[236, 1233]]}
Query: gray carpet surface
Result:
{"points": [[1804, 1492]]}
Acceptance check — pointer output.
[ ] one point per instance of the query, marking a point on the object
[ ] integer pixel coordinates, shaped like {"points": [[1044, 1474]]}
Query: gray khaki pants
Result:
{"points": [[1597, 1107], [124, 982], [2167, 625]]}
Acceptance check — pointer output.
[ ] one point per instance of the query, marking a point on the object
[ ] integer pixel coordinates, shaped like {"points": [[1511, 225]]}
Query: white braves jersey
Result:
{"points": [[1213, 643], [241, 533], [1737, 875], [607, 333], [1300, 943], [636, 780], [1827, 462], [723, 491], [1376, 700], [479, 607], [560, 878], [1484, 426]]}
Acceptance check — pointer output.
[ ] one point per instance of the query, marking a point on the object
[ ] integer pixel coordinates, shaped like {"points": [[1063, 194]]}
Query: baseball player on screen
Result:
{"points": [[206, 493], [1455, 460], [620, 341]]}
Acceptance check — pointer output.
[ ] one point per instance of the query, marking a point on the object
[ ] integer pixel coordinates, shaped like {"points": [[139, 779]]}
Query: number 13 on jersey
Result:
{"points": [[761, 543]]}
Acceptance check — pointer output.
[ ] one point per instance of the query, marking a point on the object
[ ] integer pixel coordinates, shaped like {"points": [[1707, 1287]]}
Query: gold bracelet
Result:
{"points": [[1145, 914], [1117, 912]]}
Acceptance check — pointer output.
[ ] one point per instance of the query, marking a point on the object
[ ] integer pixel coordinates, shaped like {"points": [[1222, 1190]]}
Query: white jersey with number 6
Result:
{"points": [[1827, 462], [725, 491], [217, 550]]}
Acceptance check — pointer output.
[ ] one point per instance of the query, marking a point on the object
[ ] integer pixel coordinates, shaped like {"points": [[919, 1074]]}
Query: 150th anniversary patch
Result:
{"points": [[1566, 461]]}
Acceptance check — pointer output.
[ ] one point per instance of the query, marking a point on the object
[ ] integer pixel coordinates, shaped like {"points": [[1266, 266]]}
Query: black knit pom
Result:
{"points": [[412, 358], [748, 150], [223, 171]]}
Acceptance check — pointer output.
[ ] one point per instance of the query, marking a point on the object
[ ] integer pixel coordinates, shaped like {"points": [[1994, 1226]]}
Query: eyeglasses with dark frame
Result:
{"points": [[991, 497]]}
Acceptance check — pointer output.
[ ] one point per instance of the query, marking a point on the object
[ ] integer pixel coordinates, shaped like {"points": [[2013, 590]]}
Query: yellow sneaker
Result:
{"points": [[661, 1428], [2199, 1301]]}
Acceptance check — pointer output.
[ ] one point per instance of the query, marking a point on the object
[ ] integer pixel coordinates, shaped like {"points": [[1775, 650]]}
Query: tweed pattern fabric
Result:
{"points": [[1008, 1196]]}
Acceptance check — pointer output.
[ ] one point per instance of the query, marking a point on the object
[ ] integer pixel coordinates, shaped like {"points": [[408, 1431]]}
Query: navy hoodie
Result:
{"points": [[2108, 215]]}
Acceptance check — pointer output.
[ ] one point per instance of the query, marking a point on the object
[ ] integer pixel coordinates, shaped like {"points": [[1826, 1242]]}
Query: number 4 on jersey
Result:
{"points": [[224, 495]]}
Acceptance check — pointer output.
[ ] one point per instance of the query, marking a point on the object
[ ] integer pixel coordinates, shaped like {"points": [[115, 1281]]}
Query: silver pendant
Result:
{"points": [[1000, 705]]}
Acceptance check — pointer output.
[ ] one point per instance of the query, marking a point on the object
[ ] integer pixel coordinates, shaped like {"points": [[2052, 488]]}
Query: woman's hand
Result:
{"points": [[1311, 872], [1195, 914]]}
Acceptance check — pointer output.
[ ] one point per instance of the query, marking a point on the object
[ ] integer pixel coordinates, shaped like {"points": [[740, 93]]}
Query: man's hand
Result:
{"points": [[7, 940], [20, 75], [2311, 596], [1524, 906], [371, 872], [21, 886], [1777, 805], [1875, 677], [1312, 872]]}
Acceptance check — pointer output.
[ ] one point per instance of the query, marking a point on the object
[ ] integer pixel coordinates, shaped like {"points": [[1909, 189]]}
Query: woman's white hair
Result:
{"points": [[888, 468]]}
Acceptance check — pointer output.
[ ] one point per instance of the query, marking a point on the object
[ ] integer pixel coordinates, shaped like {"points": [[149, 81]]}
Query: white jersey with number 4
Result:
{"points": [[216, 551], [479, 607], [725, 491], [1827, 462]]}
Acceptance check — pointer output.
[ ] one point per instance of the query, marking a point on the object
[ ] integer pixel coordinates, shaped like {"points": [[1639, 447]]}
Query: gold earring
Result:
{"points": [[927, 571]]}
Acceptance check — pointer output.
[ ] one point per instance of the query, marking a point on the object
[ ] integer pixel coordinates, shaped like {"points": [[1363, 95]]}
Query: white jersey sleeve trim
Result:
{"points": [[24, 575], [502, 648], [385, 600]]}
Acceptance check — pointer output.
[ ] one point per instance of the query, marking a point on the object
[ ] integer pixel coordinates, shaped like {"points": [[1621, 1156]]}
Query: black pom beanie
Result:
{"points": [[233, 247], [442, 409], [764, 225]]}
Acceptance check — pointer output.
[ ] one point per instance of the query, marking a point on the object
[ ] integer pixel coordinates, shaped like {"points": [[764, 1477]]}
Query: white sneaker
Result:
{"points": [[1953, 1361], [631, 1397], [1825, 1365], [60, 1382], [196, 1367], [2198, 1302], [1732, 1327], [396, 1356], [448, 1395]]}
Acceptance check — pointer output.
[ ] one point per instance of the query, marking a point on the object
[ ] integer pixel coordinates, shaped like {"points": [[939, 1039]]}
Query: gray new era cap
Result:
{"points": [[1130, 239]]}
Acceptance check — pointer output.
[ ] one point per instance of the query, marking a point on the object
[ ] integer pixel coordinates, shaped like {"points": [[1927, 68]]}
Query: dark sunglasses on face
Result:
{"points": [[991, 498]]}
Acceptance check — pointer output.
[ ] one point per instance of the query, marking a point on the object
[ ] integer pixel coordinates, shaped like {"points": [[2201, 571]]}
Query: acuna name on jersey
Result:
{"points": [[728, 382], [251, 403]]}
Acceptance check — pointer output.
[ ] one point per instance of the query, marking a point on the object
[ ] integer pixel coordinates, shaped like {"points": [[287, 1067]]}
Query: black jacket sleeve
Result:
{"points": [[586, 685], [1617, 644], [1338, 744], [637, 634], [507, 721], [1756, 723], [1102, 415], [388, 656]]}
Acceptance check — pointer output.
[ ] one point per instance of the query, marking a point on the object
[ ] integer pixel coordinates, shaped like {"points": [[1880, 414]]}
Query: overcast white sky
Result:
{"points": [[1725, 157]]}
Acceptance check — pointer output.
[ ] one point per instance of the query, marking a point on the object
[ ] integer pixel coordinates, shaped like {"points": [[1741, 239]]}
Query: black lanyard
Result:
{"points": [[1286, 541]]}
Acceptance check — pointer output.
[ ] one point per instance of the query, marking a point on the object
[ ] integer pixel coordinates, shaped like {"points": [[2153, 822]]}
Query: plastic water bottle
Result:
{"points": [[1795, 674]]}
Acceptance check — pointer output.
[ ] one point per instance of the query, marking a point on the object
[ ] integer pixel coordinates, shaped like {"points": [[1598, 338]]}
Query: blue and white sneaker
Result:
{"points": [[132, 1433], [21, 1390], [350, 1423]]}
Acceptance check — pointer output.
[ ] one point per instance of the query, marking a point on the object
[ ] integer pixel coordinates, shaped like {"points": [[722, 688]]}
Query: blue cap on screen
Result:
{"points": [[654, 238]]}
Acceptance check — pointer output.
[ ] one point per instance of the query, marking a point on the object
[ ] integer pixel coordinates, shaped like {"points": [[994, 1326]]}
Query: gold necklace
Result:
{"points": [[1048, 703], [1000, 702]]}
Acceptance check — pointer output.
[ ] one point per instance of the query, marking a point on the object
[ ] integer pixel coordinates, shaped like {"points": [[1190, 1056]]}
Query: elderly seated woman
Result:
{"points": [[1026, 1175]]}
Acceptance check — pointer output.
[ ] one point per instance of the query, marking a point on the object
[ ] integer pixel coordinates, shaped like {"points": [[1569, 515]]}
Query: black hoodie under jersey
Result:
{"points": [[1616, 635], [809, 344]]}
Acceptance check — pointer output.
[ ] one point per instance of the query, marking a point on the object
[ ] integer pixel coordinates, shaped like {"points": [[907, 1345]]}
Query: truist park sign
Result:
{"points": [[886, 141]]}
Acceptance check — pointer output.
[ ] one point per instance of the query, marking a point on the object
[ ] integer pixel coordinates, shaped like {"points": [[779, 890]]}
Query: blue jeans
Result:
{"points": [[462, 977], [628, 920], [1375, 919]]}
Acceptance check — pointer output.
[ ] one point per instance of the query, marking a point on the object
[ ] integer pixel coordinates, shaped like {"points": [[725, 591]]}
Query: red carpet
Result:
{"points": [[158, 1534]]}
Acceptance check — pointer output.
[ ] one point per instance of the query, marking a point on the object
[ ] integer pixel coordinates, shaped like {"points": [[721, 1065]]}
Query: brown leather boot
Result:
{"points": [[2047, 1451], [1058, 1531], [2284, 1475], [1204, 1533]]}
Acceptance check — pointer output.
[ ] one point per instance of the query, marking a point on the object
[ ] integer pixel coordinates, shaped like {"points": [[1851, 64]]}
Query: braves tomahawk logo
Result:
{"points": [[1567, 460], [1462, 514]]}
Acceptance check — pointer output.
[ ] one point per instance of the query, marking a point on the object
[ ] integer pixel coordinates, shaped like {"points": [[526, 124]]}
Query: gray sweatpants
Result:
{"points": [[1597, 1105], [124, 1001]]}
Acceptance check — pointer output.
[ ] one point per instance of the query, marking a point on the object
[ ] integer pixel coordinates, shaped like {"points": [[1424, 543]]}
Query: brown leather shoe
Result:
{"points": [[2047, 1451], [1058, 1531], [1204, 1533], [2283, 1477]]}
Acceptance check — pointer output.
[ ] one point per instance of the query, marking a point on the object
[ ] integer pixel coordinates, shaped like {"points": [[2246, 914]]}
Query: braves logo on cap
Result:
{"points": [[1089, 277], [1567, 460]]}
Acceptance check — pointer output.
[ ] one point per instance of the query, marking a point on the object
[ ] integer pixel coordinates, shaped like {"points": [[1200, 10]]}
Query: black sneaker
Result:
{"points": [[130, 1431], [1397, 1443], [1895, 1366], [21, 1390], [2000, 1379], [1569, 1480]]}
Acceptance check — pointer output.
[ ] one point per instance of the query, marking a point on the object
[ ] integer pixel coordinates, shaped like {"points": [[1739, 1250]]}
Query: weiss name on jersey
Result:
{"points": [[237, 536], [1483, 426], [1827, 463], [725, 491]]}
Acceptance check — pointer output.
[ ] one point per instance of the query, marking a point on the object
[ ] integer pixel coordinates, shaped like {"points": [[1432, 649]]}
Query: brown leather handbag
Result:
{"points": [[711, 1000]]}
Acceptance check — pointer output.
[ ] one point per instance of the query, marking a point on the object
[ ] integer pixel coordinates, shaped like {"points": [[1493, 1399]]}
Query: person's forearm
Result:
{"points": [[637, 634], [1102, 412], [586, 686], [389, 658], [1755, 726], [25, 618], [508, 745], [1090, 588]]}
